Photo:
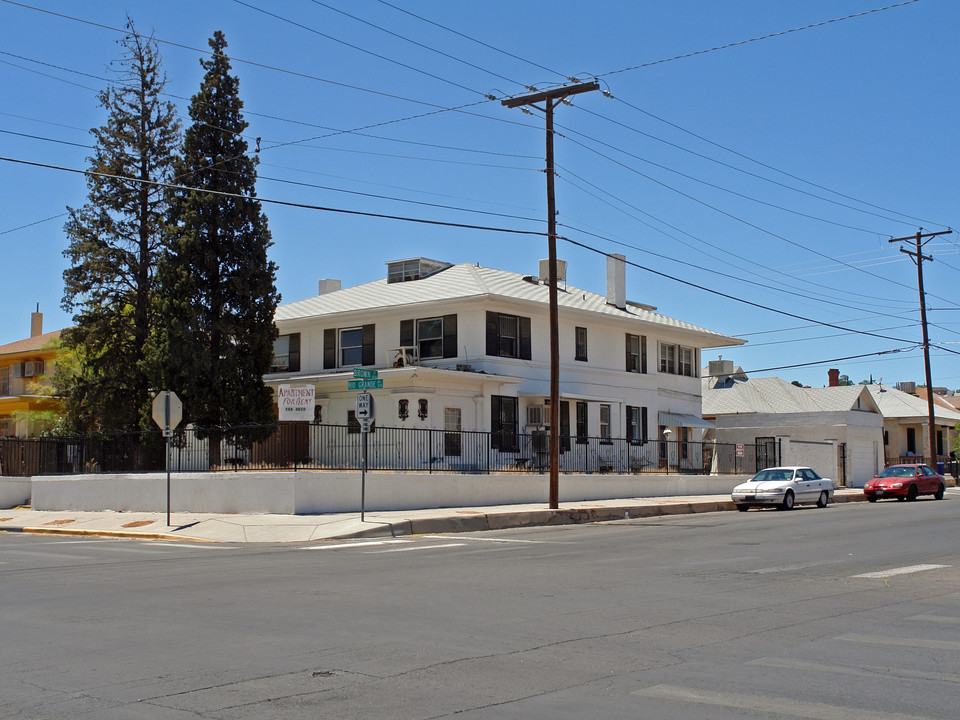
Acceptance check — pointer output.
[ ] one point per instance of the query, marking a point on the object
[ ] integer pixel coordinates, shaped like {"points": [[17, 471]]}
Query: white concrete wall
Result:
{"points": [[14, 491], [323, 492]]}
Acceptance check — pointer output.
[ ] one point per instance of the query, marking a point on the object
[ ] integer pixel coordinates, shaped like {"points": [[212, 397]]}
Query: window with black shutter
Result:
{"points": [[508, 336]]}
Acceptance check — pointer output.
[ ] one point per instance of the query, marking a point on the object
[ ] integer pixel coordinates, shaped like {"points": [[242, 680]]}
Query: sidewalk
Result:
{"points": [[220, 528]]}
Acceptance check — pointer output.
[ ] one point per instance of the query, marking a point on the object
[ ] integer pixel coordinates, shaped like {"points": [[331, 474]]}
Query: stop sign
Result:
{"points": [[167, 409]]}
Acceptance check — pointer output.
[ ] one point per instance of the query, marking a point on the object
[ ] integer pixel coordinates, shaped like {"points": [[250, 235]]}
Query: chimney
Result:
{"points": [[36, 322], [327, 285], [834, 376], [617, 281]]}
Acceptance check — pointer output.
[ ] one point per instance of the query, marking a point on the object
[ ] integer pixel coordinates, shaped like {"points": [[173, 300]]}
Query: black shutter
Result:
{"points": [[643, 424], [524, 324], [629, 423], [368, 353], [643, 354], [626, 346], [406, 333], [293, 348], [493, 334], [449, 336], [564, 426], [496, 430], [329, 349]]}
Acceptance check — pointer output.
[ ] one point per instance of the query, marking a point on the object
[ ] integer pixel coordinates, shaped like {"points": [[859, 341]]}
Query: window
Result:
{"points": [[580, 340], [684, 442], [668, 359], [636, 424], [678, 360], [286, 354], [4, 381], [582, 428], [348, 347], [433, 337], [503, 423], [451, 435], [508, 336], [636, 353], [564, 426], [604, 422], [911, 440]]}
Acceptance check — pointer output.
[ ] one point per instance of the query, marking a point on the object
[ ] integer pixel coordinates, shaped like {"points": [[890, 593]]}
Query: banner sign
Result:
{"points": [[296, 402]]}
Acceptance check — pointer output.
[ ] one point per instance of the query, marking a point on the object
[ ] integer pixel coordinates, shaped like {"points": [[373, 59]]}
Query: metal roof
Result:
{"points": [[465, 281]]}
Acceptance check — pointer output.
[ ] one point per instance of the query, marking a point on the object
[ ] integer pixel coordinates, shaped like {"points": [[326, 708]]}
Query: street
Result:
{"points": [[847, 612]]}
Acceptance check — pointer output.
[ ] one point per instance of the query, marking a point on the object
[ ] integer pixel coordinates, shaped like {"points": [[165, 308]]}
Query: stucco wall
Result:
{"points": [[315, 492], [14, 491]]}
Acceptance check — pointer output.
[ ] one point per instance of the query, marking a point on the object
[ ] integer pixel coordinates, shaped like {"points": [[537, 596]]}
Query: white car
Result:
{"points": [[783, 487]]}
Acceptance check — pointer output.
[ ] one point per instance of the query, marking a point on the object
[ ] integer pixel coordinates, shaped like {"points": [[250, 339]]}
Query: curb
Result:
{"points": [[104, 533]]}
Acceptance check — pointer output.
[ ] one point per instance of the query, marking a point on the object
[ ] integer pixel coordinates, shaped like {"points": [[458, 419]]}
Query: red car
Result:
{"points": [[905, 482]]}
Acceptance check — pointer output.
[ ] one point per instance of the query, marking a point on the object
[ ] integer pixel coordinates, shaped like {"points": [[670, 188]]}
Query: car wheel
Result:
{"points": [[912, 493], [743, 508], [871, 499], [938, 495], [823, 499], [787, 503]]}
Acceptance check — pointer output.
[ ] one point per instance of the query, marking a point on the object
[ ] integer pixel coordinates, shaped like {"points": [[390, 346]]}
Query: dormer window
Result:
{"points": [[413, 269]]}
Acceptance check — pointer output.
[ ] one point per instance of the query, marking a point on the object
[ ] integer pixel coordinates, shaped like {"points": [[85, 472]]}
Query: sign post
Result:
{"points": [[167, 413], [365, 415]]}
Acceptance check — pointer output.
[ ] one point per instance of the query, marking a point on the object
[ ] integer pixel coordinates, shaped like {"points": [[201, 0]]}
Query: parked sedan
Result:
{"points": [[905, 482], [783, 487]]}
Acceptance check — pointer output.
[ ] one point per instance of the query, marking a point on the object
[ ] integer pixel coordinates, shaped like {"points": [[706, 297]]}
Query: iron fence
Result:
{"points": [[318, 446]]}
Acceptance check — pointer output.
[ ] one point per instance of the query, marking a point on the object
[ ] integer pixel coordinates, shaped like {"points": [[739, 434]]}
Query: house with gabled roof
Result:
{"points": [[461, 347], [24, 365], [838, 430], [906, 426]]}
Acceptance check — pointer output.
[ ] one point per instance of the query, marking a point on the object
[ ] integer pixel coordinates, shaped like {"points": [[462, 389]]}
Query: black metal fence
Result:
{"points": [[317, 446]]}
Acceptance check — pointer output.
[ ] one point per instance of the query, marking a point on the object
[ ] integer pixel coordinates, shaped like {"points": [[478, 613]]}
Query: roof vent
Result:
{"points": [[413, 269]]}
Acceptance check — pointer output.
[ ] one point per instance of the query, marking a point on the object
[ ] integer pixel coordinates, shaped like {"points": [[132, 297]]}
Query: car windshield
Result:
{"points": [[773, 476], [897, 471]]}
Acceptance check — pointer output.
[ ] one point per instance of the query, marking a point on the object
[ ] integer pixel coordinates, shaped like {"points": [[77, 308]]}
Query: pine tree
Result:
{"points": [[219, 286], [115, 242]]}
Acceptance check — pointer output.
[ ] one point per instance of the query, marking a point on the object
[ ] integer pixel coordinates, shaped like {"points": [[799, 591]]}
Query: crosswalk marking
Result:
{"points": [[775, 706], [417, 547], [909, 569], [362, 543], [857, 671]]}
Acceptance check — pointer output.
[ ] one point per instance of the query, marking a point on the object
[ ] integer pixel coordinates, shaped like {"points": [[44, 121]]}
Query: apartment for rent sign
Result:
{"points": [[296, 402]]}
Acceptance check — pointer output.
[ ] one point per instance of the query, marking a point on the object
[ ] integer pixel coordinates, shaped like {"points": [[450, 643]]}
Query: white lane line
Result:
{"points": [[881, 574], [936, 619], [899, 642], [47, 555], [775, 706], [493, 540], [790, 568], [364, 543], [856, 671], [416, 547]]}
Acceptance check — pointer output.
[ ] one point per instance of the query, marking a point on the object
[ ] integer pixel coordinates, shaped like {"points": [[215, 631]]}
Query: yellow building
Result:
{"points": [[23, 365]]}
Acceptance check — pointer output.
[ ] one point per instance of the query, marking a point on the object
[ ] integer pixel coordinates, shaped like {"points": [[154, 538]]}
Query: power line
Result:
{"points": [[273, 201], [824, 362], [757, 39]]}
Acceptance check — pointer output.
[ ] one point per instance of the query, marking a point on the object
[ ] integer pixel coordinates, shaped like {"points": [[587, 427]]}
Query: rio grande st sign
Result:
{"points": [[364, 380]]}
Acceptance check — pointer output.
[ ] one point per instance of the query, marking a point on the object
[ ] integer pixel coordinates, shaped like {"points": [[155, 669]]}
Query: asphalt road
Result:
{"points": [[848, 612]]}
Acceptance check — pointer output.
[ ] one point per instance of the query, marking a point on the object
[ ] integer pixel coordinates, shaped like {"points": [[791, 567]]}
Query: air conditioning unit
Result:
{"points": [[403, 356], [538, 415]]}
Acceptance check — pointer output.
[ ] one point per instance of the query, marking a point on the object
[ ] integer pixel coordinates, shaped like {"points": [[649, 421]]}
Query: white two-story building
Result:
{"points": [[464, 348]]}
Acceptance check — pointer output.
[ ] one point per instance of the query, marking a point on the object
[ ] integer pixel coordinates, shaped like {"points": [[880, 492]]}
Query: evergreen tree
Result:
{"points": [[219, 287], [115, 241]]}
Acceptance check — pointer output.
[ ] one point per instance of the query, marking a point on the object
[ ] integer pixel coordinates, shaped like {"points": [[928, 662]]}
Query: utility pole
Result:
{"points": [[550, 99], [918, 258]]}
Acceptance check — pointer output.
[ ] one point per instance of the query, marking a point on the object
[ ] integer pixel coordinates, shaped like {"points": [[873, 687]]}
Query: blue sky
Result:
{"points": [[772, 172]]}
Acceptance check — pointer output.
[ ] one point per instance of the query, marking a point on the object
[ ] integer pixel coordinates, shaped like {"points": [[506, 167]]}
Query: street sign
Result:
{"points": [[364, 374], [364, 384], [365, 406], [167, 410], [739, 449]]}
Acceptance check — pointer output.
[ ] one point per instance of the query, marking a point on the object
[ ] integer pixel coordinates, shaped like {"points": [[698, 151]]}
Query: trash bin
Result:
{"points": [[940, 468]]}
